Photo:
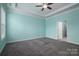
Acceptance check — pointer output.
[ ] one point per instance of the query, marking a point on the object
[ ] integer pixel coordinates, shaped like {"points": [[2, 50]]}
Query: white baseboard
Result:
{"points": [[23, 39], [66, 41], [73, 42], [42, 37]]}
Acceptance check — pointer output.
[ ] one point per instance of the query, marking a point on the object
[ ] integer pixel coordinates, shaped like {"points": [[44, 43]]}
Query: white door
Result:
{"points": [[60, 30]]}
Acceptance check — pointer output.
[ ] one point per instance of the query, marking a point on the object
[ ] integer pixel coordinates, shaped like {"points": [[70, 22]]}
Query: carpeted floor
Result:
{"points": [[41, 47]]}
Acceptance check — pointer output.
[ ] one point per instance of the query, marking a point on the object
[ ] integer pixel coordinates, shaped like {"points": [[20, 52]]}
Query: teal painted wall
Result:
{"points": [[72, 18], [2, 41], [24, 27]]}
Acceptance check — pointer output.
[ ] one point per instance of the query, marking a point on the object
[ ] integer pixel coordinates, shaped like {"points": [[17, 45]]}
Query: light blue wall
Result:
{"points": [[2, 41], [72, 18], [24, 27]]}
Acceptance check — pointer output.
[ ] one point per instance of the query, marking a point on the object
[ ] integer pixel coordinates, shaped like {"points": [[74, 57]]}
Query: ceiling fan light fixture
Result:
{"points": [[44, 6]]}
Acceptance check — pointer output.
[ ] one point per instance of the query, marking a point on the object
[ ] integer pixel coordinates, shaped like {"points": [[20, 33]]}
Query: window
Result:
{"points": [[2, 23]]}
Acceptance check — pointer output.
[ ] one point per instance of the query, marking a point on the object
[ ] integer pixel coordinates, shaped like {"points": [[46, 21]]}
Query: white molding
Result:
{"points": [[24, 12], [65, 41], [73, 42], [70, 42], [20, 40], [29, 12], [63, 8], [65, 12]]}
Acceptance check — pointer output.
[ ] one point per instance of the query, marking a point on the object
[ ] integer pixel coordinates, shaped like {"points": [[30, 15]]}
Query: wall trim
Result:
{"points": [[66, 41], [23, 12], [73, 42], [19, 40], [70, 42], [29, 12], [61, 9]]}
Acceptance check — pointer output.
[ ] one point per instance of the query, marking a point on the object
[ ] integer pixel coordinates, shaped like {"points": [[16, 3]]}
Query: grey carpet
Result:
{"points": [[41, 47]]}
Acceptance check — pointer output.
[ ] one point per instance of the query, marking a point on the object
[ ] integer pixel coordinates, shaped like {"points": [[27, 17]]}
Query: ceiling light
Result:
{"points": [[44, 6]]}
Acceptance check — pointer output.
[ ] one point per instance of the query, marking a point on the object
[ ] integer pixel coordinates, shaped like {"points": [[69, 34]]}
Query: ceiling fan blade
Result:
{"points": [[49, 8], [38, 5], [49, 3], [42, 9]]}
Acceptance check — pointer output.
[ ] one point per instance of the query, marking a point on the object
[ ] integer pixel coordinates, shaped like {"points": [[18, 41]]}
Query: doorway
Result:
{"points": [[62, 30]]}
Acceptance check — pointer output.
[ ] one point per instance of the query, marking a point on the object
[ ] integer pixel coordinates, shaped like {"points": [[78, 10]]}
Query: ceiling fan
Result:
{"points": [[45, 5]]}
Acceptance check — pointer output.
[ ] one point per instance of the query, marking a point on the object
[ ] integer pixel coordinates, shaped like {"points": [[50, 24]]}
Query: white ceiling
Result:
{"points": [[31, 7]]}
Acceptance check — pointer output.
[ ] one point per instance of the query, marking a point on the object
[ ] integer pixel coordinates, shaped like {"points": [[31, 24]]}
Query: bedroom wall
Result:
{"points": [[72, 17], [2, 41], [24, 27]]}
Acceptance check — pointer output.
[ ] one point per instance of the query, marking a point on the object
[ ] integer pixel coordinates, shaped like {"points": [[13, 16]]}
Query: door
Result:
{"points": [[61, 30]]}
